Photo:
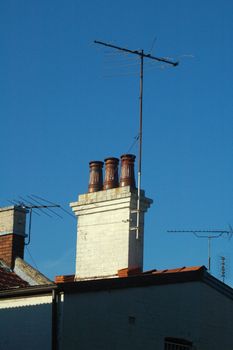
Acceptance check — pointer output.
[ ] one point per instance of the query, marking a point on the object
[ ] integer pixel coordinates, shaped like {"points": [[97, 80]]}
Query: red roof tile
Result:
{"points": [[144, 279], [128, 272], [9, 279], [180, 269], [135, 272], [64, 278]]}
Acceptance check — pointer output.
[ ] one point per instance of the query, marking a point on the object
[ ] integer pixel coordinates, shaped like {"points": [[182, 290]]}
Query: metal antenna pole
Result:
{"points": [[209, 253], [29, 227], [142, 55], [140, 149]]}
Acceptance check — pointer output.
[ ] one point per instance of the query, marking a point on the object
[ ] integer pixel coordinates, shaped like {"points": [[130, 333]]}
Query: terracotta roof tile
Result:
{"points": [[129, 272], [64, 278], [144, 279], [135, 272], [9, 279], [180, 269]]}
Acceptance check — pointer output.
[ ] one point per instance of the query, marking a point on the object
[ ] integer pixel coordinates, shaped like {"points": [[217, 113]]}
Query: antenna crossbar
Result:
{"points": [[198, 234], [138, 52]]}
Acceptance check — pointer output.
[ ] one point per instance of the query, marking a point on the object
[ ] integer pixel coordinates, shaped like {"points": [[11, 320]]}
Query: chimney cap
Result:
{"points": [[112, 159], [132, 156], [99, 162]]}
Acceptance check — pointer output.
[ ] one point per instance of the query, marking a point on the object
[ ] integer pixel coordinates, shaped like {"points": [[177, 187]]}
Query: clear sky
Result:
{"points": [[65, 101]]}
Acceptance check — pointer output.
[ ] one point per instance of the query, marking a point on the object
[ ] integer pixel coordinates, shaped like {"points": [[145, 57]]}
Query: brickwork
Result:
{"points": [[105, 241], [12, 234], [11, 246]]}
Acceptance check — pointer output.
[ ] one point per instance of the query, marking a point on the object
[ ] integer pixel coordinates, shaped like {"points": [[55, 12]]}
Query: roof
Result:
{"points": [[179, 269], [145, 279], [131, 272], [22, 276], [9, 279], [132, 278], [29, 274]]}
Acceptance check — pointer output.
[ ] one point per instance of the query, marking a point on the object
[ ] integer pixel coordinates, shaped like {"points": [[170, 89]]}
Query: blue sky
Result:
{"points": [[65, 101]]}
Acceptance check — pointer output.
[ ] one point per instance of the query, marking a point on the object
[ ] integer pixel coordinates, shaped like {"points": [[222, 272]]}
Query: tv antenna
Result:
{"points": [[142, 55], [209, 235], [31, 206]]}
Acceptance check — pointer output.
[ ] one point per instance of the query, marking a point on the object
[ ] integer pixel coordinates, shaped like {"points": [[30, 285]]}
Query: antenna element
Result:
{"points": [[218, 234]]}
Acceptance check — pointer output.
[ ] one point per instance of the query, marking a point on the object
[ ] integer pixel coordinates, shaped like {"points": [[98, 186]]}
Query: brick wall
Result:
{"points": [[12, 234], [11, 246]]}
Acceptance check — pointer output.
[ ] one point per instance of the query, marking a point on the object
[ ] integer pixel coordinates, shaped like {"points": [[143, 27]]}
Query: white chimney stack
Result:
{"points": [[107, 240]]}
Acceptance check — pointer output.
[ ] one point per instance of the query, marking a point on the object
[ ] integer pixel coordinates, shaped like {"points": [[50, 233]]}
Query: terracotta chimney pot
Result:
{"points": [[127, 170], [96, 176], [111, 173]]}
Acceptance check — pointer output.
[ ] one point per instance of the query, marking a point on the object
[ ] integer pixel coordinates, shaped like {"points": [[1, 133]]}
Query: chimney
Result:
{"points": [[96, 176], [111, 173], [12, 234], [127, 170], [106, 239]]}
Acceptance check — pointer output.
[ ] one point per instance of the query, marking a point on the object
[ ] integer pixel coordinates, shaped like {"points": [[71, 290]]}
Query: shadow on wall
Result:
{"points": [[25, 327]]}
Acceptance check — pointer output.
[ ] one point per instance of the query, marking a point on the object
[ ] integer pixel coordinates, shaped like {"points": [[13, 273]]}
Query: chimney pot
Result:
{"points": [[111, 173], [96, 176], [127, 170]]}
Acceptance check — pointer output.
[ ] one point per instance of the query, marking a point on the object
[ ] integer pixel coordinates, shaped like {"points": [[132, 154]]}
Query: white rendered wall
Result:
{"points": [[216, 320], [140, 318], [12, 220], [105, 242], [26, 323]]}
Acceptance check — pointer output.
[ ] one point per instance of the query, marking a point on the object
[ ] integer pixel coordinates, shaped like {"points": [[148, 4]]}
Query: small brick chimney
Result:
{"points": [[12, 233]]}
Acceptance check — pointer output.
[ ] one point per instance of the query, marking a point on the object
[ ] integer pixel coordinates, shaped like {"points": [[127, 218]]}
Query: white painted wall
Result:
{"points": [[131, 318], [105, 243], [12, 220], [216, 320], [140, 318], [25, 323]]}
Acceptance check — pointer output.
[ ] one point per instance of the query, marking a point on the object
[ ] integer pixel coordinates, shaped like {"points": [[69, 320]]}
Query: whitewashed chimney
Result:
{"points": [[106, 237]]}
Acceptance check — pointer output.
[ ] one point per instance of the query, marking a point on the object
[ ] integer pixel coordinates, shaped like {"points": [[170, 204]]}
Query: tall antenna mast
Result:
{"points": [[142, 55], [206, 234]]}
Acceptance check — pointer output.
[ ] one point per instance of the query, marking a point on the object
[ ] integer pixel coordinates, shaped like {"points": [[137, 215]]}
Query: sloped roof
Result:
{"points": [[29, 274], [9, 279], [23, 275], [68, 284]]}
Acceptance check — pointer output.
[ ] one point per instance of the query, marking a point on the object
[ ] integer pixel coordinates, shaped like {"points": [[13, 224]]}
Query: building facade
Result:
{"points": [[110, 303], [178, 309]]}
